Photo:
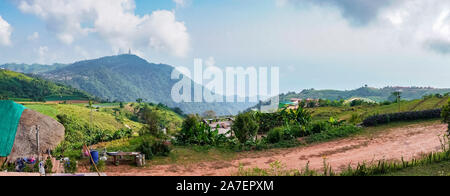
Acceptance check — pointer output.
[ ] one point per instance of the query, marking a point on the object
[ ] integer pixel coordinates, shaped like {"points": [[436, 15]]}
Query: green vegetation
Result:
{"points": [[375, 94], [357, 114], [404, 116], [127, 77], [195, 132], [245, 127], [18, 86], [110, 122], [433, 164], [31, 69], [446, 115]]}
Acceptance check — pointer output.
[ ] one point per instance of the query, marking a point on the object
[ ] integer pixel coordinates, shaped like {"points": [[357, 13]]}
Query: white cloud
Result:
{"points": [[425, 23], [115, 21], [33, 37], [180, 3], [5, 32], [42, 51]]}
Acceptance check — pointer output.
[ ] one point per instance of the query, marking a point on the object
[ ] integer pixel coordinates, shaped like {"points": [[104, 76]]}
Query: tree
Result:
{"points": [[398, 96], [139, 100], [245, 127], [209, 114], [152, 120], [446, 115]]}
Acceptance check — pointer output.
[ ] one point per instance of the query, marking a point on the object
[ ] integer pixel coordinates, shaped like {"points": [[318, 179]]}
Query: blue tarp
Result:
{"points": [[10, 114]]}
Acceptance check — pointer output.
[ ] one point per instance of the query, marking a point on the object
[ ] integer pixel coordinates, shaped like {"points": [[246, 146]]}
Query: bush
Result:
{"points": [[333, 132], [268, 121], [146, 149], [319, 127], [275, 135], [101, 166], [403, 116], [48, 165], [161, 148], [245, 127], [70, 166], [446, 115], [156, 148], [195, 132]]}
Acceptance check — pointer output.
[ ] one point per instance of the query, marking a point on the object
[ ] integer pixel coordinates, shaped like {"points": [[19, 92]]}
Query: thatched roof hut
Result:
{"points": [[51, 133]]}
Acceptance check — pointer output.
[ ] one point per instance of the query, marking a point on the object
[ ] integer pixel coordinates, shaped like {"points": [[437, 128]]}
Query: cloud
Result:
{"points": [[439, 46], [33, 37], [426, 23], [115, 22], [42, 52], [357, 12], [5, 32], [180, 3]]}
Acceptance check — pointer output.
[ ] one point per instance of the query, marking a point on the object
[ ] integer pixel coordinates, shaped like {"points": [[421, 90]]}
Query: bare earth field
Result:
{"points": [[393, 144]]}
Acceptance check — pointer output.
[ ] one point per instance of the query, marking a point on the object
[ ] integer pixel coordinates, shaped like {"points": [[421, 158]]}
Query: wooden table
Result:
{"points": [[116, 156]]}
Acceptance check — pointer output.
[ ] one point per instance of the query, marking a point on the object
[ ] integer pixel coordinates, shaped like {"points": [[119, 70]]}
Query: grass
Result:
{"points": [[180, 155], [101, 120], [346, 112], [434, 169]]}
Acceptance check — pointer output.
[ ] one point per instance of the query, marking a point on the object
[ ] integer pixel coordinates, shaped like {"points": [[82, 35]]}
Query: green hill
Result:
{"points": [[375, 94], [360, 112], [17, 85], [127, 78], [31, 69]]}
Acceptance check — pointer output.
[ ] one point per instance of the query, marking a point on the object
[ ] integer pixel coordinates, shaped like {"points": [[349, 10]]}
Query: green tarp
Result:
{"points": [[10, 114]]}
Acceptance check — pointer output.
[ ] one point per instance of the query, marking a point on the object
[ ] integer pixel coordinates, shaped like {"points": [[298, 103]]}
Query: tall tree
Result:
{"points": [[398, 96]]}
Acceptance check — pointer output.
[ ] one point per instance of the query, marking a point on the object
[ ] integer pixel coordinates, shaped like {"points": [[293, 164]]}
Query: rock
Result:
{"points": [[51, 134]]}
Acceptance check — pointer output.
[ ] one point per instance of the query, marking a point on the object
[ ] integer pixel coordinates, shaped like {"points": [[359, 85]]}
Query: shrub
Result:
{"points": [[48, 165], [160, 148], [319, 127], [195, 132], [245, 127], [101, 166], [146, 149], [333, 132], [275, 135], [297, 131], [70, 166], [446, 115], [268, 121], [156, 148], [403, 116]]}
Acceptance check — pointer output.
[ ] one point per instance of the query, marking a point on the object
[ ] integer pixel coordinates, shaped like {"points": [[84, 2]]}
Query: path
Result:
{"points": [[407, 142]]}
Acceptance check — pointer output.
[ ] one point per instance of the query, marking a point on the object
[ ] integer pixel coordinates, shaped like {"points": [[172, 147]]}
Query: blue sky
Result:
{"points": [[322, 44]]}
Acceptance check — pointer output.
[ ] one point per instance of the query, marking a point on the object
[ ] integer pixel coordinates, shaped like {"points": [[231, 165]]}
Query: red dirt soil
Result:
{"points": [[408, 142]]}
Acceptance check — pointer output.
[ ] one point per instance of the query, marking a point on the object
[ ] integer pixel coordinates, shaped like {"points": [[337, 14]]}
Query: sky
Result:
{"points": [[321, 44]]}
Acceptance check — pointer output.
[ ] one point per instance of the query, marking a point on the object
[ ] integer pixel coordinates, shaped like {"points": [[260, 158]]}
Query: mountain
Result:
{"points": [[31, 69], [127, 78], [18, 85], [375, 94]]}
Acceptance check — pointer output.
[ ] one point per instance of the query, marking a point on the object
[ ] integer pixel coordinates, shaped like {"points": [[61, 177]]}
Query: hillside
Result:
{"points": [[127, 78], [375, 94], [17, 85], [31, 69], [346, 112]]}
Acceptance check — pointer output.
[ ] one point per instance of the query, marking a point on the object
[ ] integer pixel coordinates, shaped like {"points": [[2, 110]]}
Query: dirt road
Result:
{"points": [[393, 144]]}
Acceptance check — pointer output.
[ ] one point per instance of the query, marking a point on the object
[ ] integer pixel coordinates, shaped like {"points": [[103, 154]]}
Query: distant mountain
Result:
{"points": [[31, 69], [18, 85], [127, 78], [375, 94]]}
